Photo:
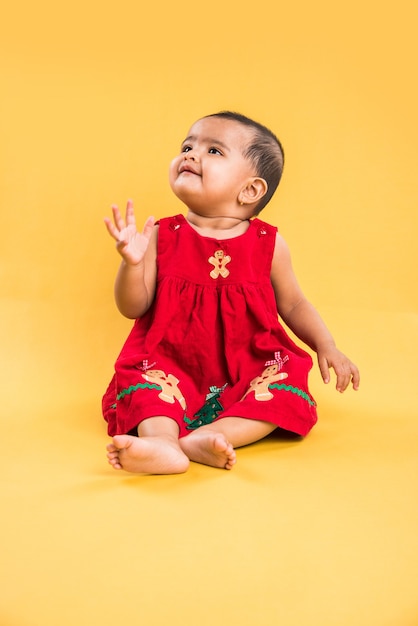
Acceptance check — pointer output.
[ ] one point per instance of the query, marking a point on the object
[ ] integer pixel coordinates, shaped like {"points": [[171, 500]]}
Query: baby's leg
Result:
{"points": [[214, 444], [155, 451]]}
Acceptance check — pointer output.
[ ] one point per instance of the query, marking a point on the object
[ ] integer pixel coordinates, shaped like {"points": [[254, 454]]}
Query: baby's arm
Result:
{"points": [[304, 320], [136, 279]]}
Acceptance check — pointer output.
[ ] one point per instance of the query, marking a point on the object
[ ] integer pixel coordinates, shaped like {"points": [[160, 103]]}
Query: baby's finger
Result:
{"points": [[355, 377], [121, 244], [111, 228], [148, 227], [343, 377], [130, 215], [324, 369], [117, 217]]}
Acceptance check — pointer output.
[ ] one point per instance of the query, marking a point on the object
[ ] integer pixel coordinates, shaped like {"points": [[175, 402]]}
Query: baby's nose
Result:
{"points": [[190, 155]]}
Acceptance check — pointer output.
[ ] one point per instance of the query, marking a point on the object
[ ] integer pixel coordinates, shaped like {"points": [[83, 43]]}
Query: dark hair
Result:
{"points": [[264, 150]]}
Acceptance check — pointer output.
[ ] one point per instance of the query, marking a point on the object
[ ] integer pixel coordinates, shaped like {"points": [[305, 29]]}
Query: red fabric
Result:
{"points": [[211, 344]]}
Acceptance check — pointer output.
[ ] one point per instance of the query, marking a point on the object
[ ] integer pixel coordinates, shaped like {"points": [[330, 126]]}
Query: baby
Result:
{"points": [[205, 291]]}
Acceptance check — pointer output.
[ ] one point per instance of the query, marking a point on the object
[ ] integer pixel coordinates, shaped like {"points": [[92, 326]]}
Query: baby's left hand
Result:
{"points": [[345, 370]]}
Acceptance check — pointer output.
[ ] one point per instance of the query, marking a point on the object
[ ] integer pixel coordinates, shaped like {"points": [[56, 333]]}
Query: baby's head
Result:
{"points": [[229, 165], [264, 151]]}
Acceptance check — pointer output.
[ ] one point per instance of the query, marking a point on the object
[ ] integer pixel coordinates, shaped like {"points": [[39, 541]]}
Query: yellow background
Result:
{"points": [[95, 100]]}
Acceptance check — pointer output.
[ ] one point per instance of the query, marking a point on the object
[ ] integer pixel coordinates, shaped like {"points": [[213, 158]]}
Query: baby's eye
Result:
{"points": [[186, 148], [214, 151]]}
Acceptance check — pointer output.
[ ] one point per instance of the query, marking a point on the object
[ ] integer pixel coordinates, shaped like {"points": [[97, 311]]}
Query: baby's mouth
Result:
{"points": [[188, 169]]}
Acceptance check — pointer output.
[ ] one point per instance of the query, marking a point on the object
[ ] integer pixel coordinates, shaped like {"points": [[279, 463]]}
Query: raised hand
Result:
{"points": [[130, 244]]}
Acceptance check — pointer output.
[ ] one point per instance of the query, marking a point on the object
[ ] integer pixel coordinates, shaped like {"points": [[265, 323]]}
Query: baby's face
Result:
{"points": [[211, 169]]}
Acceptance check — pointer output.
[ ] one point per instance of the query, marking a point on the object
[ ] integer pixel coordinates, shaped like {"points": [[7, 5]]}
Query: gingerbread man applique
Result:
{"points": [[168, 383], [270, 375], [219, 260]]}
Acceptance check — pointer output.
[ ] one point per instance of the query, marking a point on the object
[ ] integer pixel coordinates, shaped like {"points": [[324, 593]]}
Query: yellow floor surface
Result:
{"points": [[320, 532]]}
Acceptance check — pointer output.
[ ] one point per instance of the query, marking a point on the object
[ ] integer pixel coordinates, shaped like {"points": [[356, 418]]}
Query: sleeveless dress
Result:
{"points": [[211, 345]]}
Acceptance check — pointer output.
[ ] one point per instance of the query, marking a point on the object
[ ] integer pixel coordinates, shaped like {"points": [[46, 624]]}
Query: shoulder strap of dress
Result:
{"points": [[262, 228], [173, 222]]}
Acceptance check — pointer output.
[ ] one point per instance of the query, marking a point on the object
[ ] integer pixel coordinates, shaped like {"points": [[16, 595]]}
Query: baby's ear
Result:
{"points": [[254, 190]]}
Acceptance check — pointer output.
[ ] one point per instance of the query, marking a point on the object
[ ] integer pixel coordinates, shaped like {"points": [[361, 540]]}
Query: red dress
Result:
{"points": [[211, 344]]}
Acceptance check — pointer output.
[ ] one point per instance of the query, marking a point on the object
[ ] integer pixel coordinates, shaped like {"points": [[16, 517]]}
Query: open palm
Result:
{"points": [[131, 244]]}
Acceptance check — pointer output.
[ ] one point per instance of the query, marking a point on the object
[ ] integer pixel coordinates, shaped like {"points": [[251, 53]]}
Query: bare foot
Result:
{"points": [[210, 448], [147, 455]]}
